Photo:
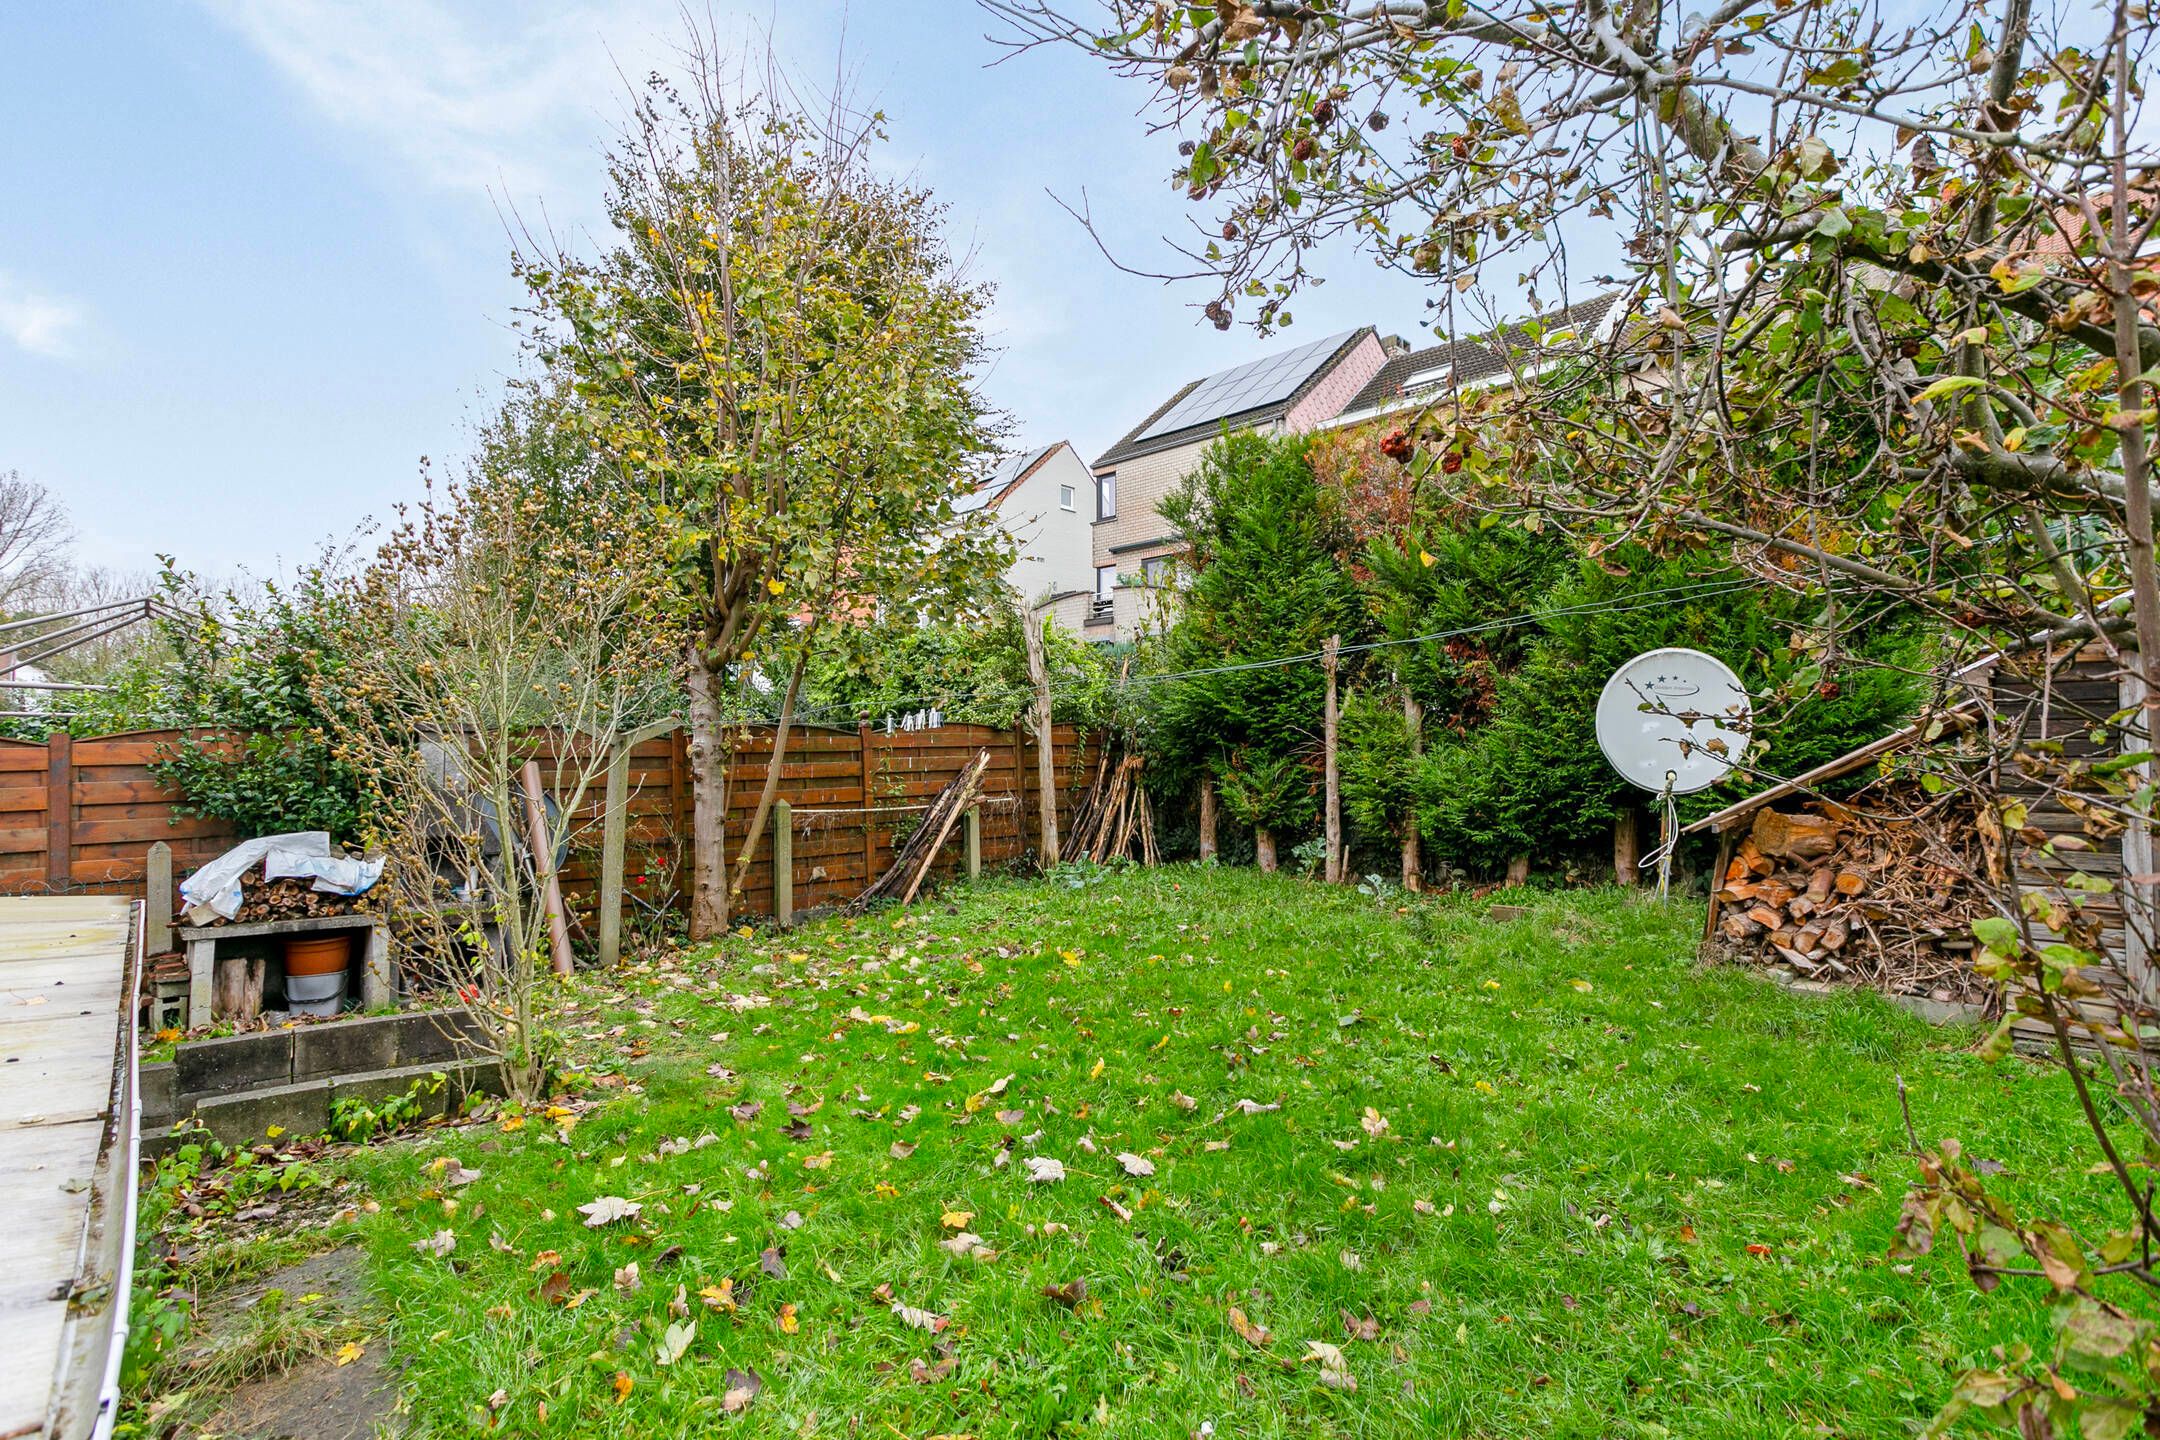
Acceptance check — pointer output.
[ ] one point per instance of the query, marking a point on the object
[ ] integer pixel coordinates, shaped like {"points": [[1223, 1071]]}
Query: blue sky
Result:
{"points": [[254, 263]]}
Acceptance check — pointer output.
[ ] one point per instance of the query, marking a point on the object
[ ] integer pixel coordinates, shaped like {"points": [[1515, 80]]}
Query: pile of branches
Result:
{"points": [[1114, 819], [1881, 892], [293, 897], [911, 864]]}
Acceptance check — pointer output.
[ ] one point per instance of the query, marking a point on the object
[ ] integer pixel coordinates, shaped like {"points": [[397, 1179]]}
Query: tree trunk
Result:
{"points": [[547, 886], [1518, 870], [1207, 817], [1263, 840], [1330, 724], [747, 851], [1627, 848], [708, 794]]}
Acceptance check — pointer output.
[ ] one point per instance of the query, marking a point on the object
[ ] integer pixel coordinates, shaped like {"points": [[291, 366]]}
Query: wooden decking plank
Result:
{"points": [[62, 964]]}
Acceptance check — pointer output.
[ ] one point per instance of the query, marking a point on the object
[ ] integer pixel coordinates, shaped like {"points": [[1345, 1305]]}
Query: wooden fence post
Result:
{"points": [[157, 900], [783, 863], [614, 837], [867, 736], [974, 842], [1413, 860], [1207, 817], [59, 808], [1045, 759], [1329, 656], [1627, 849]]}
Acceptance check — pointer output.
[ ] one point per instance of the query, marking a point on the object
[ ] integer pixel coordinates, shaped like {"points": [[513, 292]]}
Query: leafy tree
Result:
{"points": [[970, 673], [243, 680], [778, 353], [1265, 584], [1532, 779]]}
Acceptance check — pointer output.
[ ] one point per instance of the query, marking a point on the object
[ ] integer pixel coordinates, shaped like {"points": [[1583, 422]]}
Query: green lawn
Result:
{"points": [[1546, 1176]]}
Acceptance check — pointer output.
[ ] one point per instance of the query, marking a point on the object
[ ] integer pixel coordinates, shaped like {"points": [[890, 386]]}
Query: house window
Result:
{"points": [[1106, 496], [1068, 498], [1105, 582], [1159, 570]]}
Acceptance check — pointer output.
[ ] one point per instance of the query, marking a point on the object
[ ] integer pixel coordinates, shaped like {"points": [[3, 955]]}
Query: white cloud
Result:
{"points": [[39, 323], [519, 106]]}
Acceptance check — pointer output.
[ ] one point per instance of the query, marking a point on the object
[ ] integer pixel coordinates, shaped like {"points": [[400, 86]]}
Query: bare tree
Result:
{"points": [[34, 541], [487, 638]]}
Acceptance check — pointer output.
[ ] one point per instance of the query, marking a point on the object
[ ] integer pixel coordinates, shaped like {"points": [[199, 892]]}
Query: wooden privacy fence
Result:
{"points": [[82, 814]]}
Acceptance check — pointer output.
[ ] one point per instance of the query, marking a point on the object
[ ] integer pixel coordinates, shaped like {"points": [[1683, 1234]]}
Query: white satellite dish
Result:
{"points": [[1674, 721]]}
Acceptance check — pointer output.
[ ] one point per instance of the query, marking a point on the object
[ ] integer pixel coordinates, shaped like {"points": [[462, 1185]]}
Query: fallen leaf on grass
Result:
{"points": [[919, 1318], [441, 1243], [607, 1210], [789, 1322], [748, 1111], [1135, 1165], [793, 1220], [1355, 1328], [742, 1388], [965, 1243], [817, 1162], [1375, 1124], [957, 1219], [1069, 1294], [623, 1386], [1256, 1336], [1042, 1170], [772, 1260], [1350, 1260], [674, 1342], [350, 1351], [499, 1399], [627, 1279], [1183, 1101], [923, 1374], [1254, 1107], [901, 1150]]}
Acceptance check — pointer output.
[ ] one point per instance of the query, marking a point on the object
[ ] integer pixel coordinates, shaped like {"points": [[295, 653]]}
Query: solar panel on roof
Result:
{"points": [[1269, 380]]}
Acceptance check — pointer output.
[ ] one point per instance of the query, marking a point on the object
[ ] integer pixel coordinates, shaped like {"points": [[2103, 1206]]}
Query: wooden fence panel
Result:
{"points": [[851, 792]]}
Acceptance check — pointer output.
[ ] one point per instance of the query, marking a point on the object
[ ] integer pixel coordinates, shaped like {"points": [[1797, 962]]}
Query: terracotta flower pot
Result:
{"points": [[317, 954]]}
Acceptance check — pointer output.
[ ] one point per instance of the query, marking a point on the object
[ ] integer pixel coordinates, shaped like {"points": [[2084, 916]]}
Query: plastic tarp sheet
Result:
{"points": [[213, 892]]}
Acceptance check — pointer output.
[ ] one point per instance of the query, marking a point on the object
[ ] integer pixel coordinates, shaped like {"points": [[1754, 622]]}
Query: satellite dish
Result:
{"points": [[1674, 721]]}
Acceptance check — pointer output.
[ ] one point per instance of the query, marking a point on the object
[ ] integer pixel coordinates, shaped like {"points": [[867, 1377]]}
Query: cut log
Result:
{"points": [[237, 988], [1794, 837], [1850, 882], [1766, 917]]}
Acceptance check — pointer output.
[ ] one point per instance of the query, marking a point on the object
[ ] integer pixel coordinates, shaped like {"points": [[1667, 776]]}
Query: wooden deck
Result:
{"points": [[63, 964]]}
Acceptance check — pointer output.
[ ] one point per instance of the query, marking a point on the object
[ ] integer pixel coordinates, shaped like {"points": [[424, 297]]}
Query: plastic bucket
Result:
{"points": [[317, 955], [315, 994]]}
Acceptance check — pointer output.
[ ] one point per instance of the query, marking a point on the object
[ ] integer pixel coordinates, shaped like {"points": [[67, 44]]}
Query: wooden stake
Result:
{"points": [[550, 887], [1626, 848], [1207, 817], [1045, 761], [1413, 862], [1329, 656], [783, 864]]}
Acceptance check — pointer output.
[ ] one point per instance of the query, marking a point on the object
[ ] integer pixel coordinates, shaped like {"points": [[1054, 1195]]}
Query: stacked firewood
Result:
{"points": [[290, 898], [1874, 893], [1114, 819]]}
